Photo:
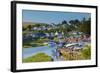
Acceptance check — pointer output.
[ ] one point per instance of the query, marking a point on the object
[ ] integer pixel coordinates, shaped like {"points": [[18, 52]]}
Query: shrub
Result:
{"points": [[86, 52]]}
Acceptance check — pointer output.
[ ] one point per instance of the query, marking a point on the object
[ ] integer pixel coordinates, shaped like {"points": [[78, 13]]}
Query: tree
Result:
{"points": [[29, 27], [85, 26], [24, 28], [71, 22], [74, 24], [64, 22]]}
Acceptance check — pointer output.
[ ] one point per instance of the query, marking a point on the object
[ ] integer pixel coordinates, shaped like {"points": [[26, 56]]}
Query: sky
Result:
{"points": [[51, 16]]}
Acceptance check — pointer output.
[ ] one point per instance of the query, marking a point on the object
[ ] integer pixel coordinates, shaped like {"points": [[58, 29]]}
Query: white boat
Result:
{"points": [[75, 45], [72, 44]]}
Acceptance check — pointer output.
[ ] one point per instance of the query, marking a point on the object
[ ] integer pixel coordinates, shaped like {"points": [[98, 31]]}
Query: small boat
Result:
{"points": [[72, 44], [75, 45]]}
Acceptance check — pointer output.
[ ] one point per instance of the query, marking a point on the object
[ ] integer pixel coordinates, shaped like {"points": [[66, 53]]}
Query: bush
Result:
{"points": [[86, 52]]}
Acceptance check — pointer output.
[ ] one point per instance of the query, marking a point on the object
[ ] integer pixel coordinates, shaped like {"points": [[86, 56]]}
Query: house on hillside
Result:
{"points": [[75, 33], [60, 35]]}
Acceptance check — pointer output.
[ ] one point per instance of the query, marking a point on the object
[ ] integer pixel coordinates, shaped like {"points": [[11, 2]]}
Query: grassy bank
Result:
{"points": [[39, 57], [36, 43]]}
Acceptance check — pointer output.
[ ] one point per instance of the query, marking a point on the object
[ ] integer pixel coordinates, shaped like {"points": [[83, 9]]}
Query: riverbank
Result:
{"points": [[39, 57], [76, 54]]}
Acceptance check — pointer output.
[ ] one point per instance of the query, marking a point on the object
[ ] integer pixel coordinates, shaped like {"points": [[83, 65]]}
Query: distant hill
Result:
{"points": [[25, 24], [32, 23]]}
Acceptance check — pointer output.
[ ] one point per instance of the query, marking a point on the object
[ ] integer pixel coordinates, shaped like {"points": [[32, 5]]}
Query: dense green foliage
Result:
{"points": [[86, 52], [85, 26]]}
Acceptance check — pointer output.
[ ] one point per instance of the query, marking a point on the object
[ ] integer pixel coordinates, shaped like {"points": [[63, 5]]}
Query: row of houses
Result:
{"points": [[60, 35], [43, 28], [43, 35], [78, 38]]}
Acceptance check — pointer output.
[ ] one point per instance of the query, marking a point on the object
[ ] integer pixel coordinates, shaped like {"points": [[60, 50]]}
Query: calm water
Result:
{"points": [[49, 50]]}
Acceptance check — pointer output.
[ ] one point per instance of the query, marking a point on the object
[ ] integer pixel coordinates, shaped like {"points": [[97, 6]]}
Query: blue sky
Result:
{"points": [[51, 16]]}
